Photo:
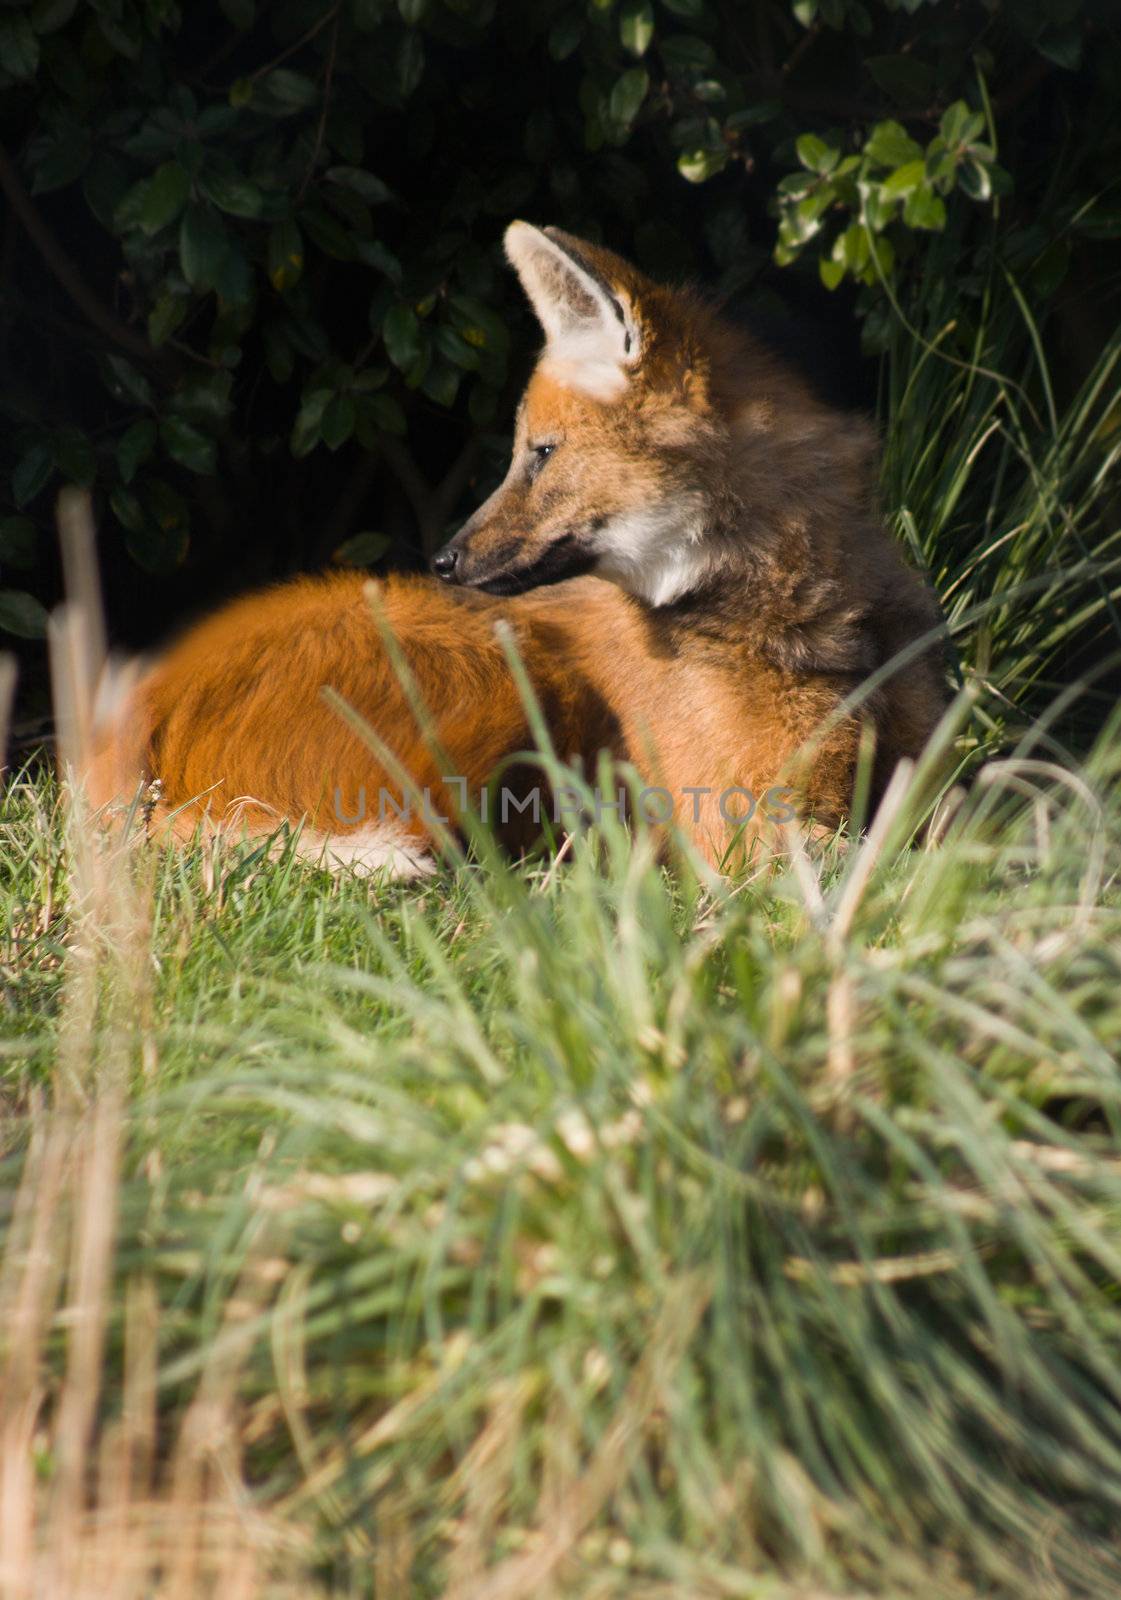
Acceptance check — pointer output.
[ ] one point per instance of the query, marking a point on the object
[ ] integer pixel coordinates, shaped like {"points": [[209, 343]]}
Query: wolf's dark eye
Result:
{"points": [[539, 454]]}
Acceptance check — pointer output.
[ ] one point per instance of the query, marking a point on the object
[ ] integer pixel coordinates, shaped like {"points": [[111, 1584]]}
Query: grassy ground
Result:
{"points": [[585, 1229]]}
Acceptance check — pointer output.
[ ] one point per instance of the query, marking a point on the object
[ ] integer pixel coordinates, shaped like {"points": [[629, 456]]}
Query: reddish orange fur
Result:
{"points": [[803, 596]]}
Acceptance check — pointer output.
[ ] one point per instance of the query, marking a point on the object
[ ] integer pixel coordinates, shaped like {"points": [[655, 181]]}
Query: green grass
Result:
{"points": [[591, 1229], [572, 1181]]}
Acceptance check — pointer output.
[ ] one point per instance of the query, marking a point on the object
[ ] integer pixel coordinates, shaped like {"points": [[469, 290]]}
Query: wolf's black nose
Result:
{"points": [[444, 563]]}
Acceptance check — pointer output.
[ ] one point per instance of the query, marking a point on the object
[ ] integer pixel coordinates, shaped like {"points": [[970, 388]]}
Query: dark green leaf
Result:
{"points": [[19, 540], [125, 37], [338, 421], [305, 433], [830, 272], [890, 145], [159, 549], [1050, 270], [204, 400], [904, 77], [202, 246], [165, 316], [456, 349], [328, 233], [19, 48], [69, 74], [306, 335], [128, 510], [233, 282], [283, 92], [64, 162], [164, 197], [130, 207], [185, 444], [215, 119], [511, 192], [974, 179], [441, 383], [565, 35], [161, 546], [377, 414], [905, 179], [1103, 222], [74, 457], [479, 323], [285, 255], [960, 125], [190, 155], [753, 115], [815, 154], [628, 94], [376, 255], [925, 209], [1000, 180], [233, 195], [410, 63], [361, 550], [1063, 46], [104, 186], [365, 184], [698, 165], [853, 247], [684, 53], [134, 447], [279, 357], [33, 472], [351, 210], [240, 12], [155, 139], [636, 25], [482, 404], [22, 614], [47, 16], [401, 333], [125, 383]]}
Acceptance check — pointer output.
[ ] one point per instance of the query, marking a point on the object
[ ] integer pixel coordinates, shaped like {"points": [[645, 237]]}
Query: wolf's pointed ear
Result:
{"points": [[592, 338]]}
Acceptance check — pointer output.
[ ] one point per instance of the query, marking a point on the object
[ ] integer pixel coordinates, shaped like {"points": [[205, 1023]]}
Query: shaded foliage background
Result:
{"points": [[252, 287]]}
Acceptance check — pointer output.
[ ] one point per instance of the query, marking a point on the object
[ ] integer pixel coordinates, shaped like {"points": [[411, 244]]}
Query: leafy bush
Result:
{"points": [[255, 294]]}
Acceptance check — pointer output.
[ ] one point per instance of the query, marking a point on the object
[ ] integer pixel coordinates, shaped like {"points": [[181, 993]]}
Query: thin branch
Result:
{"points": [[310, 173], [805, 43], [850, 108], [345, 510], [431, 505], [398, 459], [305, 38], [454, 482], [64, 269], [231, 43]]}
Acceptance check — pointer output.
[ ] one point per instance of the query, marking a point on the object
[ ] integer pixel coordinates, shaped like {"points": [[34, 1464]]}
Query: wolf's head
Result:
{"points": [[616, 436]]}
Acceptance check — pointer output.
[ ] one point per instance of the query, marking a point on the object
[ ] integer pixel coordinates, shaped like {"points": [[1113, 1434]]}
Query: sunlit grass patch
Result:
{"points": [[590, 1226], [593, 1230]]}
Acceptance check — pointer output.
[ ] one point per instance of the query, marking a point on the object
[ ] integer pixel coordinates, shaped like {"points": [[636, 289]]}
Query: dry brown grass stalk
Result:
{"points": [[86, 1509]]}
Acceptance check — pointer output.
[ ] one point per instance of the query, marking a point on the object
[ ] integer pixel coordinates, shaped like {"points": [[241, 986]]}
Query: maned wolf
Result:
{"points": [[688, 554]]}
